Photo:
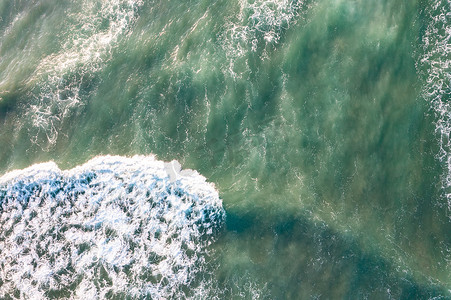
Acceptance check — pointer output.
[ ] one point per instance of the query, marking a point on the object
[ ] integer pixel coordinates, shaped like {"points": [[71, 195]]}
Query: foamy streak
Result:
{"points": [[114, 226], [88, 44], [436, 60]]}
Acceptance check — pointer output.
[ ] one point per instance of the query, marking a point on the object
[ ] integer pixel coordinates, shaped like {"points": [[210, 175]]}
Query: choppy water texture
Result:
{"points": [[323, 125]]}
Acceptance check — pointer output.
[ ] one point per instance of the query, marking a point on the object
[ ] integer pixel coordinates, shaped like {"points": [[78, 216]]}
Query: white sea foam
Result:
{"points": [[92, 33], [436, 62], [114, 226], [259, 22]]}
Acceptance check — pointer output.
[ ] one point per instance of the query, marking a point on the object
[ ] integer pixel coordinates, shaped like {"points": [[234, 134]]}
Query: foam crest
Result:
{"points": [[113, 227], [436, 62], [93, 32]]}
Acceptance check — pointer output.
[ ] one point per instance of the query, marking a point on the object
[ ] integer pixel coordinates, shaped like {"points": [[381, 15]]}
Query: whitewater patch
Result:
{"points": [[258, 23], [436, 62], [113, 227]]}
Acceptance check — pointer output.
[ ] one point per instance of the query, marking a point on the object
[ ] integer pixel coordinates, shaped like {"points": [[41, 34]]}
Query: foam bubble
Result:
{"points": [[114, 226]]}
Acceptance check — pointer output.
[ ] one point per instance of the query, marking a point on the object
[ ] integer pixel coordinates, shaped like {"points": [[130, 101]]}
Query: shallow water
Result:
{"points": [[323, 125]]}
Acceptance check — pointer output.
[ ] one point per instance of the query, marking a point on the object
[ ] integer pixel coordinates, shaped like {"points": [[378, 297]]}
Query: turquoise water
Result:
{"points": [[323, 126]]}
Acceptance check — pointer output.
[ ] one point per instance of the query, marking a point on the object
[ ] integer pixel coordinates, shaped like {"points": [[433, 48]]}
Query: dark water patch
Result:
{"points": [[318, 262], [8, 102]]}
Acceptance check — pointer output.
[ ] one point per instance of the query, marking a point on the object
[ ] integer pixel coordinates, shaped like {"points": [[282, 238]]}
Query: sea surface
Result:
{"points": [[226, 149]]}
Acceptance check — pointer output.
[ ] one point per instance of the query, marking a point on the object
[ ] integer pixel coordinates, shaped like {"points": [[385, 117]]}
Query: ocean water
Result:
{"points": [[239, 149]]}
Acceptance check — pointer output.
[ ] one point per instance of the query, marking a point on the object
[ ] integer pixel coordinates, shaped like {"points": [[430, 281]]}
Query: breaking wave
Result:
{"points": [[113, 227]]}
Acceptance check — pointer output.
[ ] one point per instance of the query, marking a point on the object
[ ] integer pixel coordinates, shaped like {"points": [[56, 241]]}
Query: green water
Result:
{"points": [[309, 117]]}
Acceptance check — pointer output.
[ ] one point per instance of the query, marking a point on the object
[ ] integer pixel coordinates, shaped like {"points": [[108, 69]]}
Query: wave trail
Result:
{"points": [[92, 33]]}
